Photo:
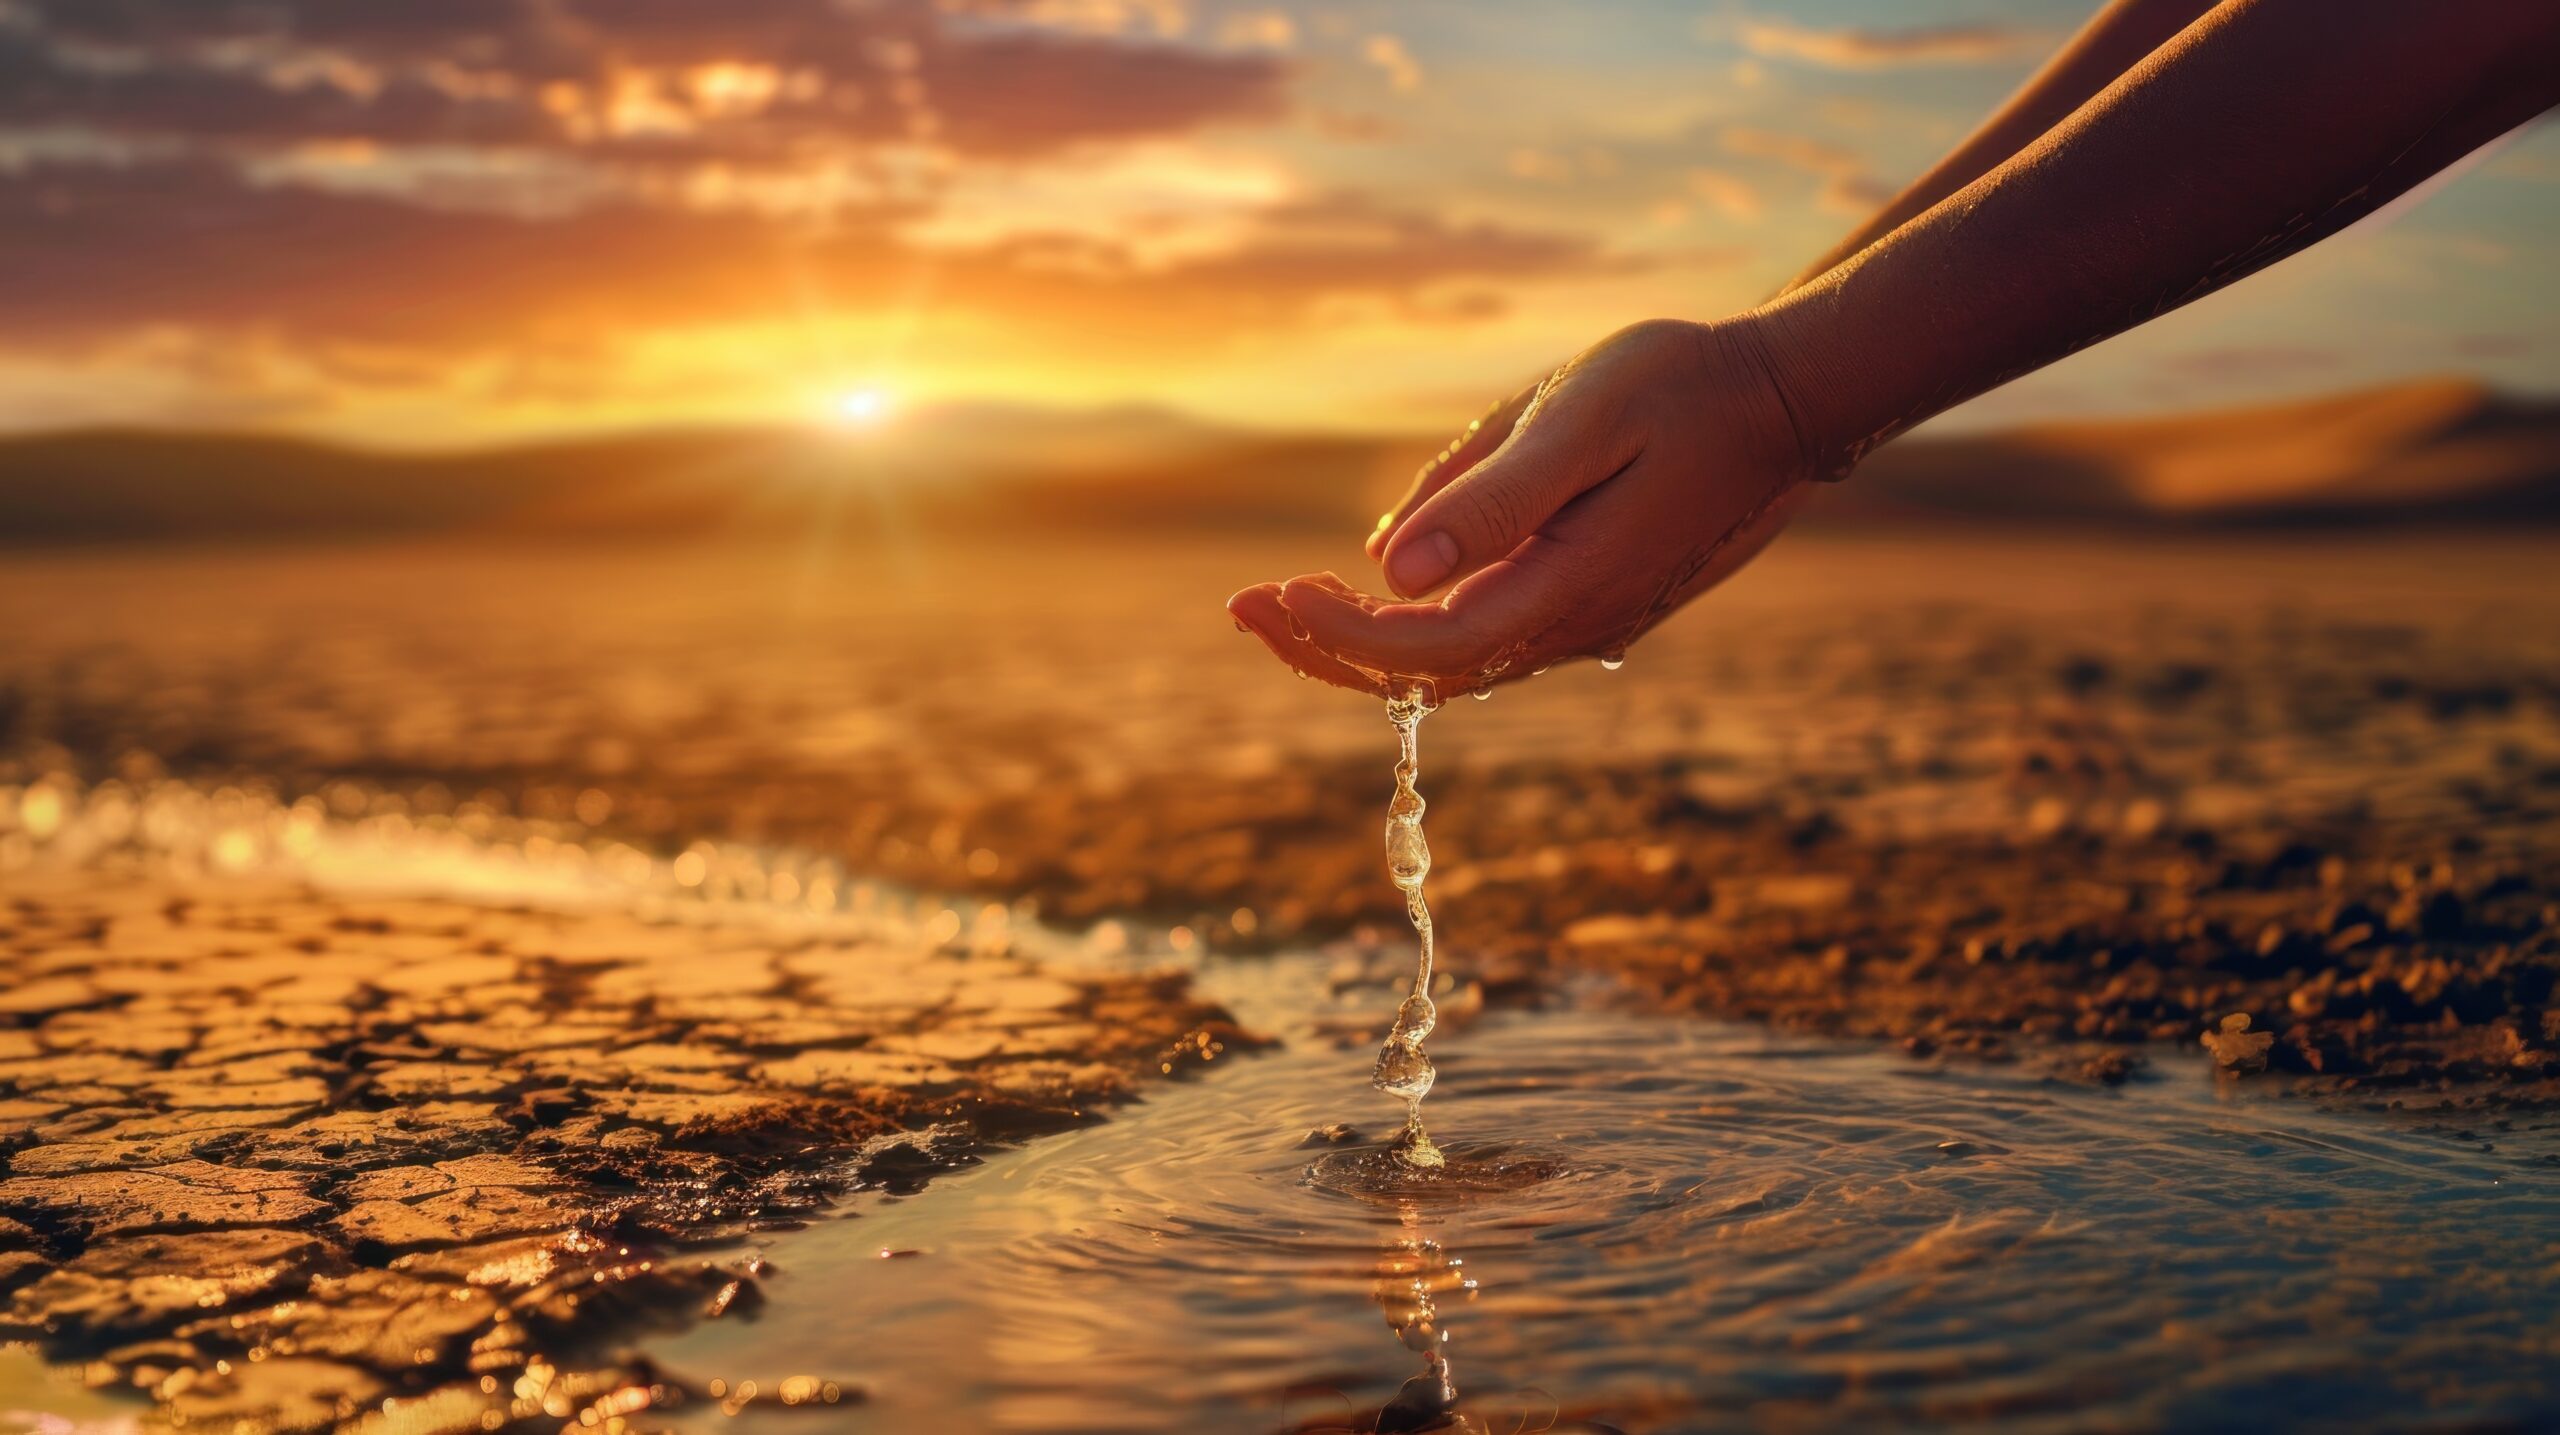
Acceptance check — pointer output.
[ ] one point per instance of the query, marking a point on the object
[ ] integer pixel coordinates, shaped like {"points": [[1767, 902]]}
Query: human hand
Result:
{"points": [[1574, 518], [1482, 437]]}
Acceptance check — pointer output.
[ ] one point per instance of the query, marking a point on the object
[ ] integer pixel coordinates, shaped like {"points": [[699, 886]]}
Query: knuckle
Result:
{"points": [[1494, 510]]}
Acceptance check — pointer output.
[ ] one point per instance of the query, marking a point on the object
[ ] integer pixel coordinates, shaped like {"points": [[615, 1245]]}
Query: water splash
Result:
{"points": [[1403, 1068]]}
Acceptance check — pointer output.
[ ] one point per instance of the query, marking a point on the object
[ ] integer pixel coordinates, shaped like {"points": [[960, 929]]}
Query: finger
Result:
{"points": [[1332, 583], [1482, 437], [1259, 609], [1562, 444], [1486, 629]]}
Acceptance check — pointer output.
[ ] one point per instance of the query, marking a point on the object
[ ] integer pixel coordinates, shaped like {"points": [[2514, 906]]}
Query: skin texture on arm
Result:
{"points": [[2111, 43], [2260, 130], [1654, 463]]}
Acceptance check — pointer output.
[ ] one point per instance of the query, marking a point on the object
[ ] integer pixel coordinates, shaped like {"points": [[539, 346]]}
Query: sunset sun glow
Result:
{"points": [[1364, 216], [860, 408]]}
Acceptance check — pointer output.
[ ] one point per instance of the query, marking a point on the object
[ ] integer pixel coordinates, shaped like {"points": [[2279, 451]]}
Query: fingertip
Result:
{"points": [[1256, 607]]}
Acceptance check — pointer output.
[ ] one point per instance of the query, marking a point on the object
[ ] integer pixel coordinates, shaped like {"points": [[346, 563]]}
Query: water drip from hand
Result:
{"points": [[1403, 1068]]}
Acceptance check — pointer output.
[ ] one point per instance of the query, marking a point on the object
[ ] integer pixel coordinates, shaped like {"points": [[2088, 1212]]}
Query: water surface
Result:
{"points": [[1733, 1229]]}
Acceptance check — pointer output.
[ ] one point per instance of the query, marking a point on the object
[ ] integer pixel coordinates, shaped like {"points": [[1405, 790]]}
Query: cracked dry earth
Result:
{"points": [[282, 1160], [280, 1154]]}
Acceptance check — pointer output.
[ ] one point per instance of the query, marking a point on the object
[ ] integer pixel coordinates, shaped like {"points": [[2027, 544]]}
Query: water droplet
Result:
{"points": [[1298, 630], [1539, 669], [1403, 1071], [1408, 855], [1482, 691], [1614, 659], [1243, 627]]}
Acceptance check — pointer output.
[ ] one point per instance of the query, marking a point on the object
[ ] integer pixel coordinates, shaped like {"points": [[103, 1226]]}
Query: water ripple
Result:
{"points": [[1663, 1225]]}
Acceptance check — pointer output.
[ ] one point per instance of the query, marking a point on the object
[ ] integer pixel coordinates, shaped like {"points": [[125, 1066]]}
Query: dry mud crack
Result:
{"points": [[307, 1161]]}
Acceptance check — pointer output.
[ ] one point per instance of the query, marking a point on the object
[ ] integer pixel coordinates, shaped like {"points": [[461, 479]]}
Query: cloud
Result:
{"points": [[90, 252], [1166, 18], [1848, 187], [1731, 197], [740, 79], [1030, 94], [1389, 55], [1346, 244], [258, 204], [1864, 49], [1528, 162], [1258, 29]]}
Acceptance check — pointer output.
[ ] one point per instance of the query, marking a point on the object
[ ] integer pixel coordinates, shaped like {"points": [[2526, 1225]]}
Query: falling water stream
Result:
{"points": [[1403, 1068]]}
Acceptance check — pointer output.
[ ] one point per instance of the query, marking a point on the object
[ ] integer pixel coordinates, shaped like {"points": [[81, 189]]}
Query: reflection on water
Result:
{"points": [[1725, 1229], [1414, 1273]]}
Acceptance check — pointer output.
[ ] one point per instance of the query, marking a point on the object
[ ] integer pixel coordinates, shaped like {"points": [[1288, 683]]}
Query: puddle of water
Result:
{"points": [[1719, 1227], [36, 1399]]}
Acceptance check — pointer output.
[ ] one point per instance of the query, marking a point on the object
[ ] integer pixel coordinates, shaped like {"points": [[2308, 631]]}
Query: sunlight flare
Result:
{"points": [[860, 408]]}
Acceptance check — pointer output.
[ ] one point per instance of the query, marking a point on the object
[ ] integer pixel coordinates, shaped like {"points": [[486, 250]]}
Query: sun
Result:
{"points": [[860, 408]]}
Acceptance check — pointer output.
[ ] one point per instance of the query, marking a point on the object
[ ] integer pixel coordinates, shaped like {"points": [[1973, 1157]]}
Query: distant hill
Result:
{"points": [[2431, 451], [979, 466]]}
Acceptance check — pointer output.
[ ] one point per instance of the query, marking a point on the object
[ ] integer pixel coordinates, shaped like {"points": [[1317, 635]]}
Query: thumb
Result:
{"points": [[1557, 449]]}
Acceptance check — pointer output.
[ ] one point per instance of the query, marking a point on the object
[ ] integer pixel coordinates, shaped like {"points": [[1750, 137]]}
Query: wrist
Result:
{"points": [[1851, 389], [1776, 347]]}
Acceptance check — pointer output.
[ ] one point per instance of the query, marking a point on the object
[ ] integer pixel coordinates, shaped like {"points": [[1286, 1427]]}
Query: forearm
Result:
{"points": [[2111, 43], [2259, 130]]}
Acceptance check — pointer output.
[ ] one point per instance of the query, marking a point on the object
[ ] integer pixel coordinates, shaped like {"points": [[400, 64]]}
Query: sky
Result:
{"points": [[474, 221]]}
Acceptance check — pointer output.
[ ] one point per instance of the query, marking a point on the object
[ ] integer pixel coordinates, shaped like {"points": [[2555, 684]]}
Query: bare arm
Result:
{"points": [[2113, 41], [1657, 461], [2256, 132]]}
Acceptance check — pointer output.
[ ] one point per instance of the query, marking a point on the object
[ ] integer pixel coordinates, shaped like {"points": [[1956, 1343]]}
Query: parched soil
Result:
{"points": [[2056, 802], [287, 1155], [311, 1161]]}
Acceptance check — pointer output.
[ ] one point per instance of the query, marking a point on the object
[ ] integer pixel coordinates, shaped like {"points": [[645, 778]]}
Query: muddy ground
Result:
{"points": [[2047, 801]]}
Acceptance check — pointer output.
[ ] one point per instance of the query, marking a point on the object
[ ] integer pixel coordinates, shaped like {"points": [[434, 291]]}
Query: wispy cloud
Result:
{"points": [[1848, 186], [1730, 196], [1857, 48], [1389, 54]]}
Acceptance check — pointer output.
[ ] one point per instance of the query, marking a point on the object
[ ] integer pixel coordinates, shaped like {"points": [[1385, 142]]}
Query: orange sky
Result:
{"points": [[457, 222]]}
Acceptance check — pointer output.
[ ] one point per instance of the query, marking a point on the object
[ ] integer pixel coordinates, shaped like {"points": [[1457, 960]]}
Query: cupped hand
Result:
{"points": [[1564, 524]]}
